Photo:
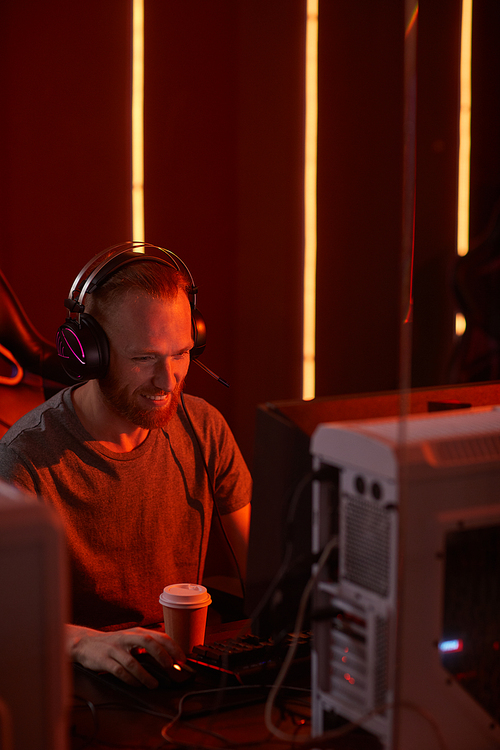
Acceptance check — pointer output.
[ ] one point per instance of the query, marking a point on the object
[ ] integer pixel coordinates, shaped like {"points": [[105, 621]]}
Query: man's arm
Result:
{"points": [[112, 651], [237, 528]]}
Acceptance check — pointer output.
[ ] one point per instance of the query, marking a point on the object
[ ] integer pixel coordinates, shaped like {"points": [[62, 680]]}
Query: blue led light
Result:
{"points": [[451, 646]]}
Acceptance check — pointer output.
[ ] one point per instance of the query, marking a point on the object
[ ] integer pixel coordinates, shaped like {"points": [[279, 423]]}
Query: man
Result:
{"points": [[120, 459]]}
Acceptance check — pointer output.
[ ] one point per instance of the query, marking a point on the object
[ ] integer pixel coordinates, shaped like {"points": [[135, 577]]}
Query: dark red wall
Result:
{"points": [[224, 134], [64, 143], [223, 164], [360, 174], [437, 186], [224, 126]]}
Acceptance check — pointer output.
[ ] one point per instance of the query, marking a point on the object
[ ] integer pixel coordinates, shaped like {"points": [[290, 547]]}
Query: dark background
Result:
{"points": [[224, 128]]}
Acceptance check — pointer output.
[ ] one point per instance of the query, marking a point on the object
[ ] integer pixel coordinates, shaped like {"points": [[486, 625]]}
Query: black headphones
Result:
{"points": [[81, 342]]}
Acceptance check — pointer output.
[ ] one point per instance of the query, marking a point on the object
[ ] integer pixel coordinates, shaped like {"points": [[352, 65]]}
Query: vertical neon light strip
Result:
{"points": [[138, 233], [310, 197], [464, 129]]}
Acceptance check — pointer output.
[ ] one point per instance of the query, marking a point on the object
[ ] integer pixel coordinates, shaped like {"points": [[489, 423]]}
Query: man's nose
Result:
{"points": [[165, 375]]}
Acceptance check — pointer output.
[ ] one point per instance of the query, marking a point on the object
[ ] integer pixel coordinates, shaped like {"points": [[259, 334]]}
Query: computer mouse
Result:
{"points": [[176, 675]]}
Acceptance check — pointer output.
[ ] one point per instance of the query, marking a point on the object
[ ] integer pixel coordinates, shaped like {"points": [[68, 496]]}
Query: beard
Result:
{"points": [[127, 406]]}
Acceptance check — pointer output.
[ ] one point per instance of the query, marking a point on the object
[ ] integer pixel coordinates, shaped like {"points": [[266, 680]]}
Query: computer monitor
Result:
{"points": [[34, 670], [406, 638], [282, 459]]}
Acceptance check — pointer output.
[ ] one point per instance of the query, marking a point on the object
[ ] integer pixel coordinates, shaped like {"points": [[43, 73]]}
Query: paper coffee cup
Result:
{"points": [[185, 608]]}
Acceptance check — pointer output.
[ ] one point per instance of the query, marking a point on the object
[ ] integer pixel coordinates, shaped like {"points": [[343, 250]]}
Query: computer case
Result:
{"points": [[416, 510]]}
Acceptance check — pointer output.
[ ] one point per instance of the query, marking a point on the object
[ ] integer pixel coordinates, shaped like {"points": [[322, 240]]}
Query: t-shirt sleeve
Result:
{"points": [[229, 474], [233, 484], [14, 470]]}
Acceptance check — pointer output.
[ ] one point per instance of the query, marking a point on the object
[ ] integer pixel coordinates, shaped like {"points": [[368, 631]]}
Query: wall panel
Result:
{"points": [[360, 172], [223, 185], [64, 144]]}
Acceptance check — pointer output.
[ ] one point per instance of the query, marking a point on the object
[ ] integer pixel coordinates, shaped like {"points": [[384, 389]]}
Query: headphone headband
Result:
{"points": [[112, 263]]}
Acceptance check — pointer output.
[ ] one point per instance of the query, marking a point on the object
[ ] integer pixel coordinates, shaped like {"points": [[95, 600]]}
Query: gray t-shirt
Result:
{"points": [[137, 521]]}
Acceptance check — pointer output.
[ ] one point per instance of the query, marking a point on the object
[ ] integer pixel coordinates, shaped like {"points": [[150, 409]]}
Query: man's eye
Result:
{"points": [[145, 358]]}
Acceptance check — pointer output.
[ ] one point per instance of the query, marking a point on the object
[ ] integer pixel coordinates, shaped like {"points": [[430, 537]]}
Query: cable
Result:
{"points": [[428, 717], [287, 555], [18, 375], [307, 741], [327, 737], [180, 708], [92, 708], [332, 544], [212, 492], [204, 730]]}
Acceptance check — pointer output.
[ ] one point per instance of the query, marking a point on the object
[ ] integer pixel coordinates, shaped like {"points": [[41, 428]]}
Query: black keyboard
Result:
{"points": [[246, 659], [247, 663]]}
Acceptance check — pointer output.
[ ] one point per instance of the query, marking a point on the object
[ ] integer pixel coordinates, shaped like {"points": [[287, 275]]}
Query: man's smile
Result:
{"points": [[159, 398]]}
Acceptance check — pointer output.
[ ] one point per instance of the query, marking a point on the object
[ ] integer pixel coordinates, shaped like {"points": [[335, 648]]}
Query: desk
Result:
{"points": [[117, 723], [107, 716]]}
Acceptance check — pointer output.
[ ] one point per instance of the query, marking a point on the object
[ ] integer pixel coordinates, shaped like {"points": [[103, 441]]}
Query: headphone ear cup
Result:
{"points": [[199, 334], [83, 348]]}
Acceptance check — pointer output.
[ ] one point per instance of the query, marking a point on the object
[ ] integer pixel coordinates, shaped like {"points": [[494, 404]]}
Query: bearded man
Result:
{"points": [[133, 467]]}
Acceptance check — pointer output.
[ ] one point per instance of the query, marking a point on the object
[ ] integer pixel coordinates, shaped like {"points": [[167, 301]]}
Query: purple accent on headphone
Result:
{"points": [[62, 340]]}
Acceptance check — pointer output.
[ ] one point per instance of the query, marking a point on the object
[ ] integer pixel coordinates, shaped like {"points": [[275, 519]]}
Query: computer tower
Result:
{"points": [[34, 670], [406, 640]]}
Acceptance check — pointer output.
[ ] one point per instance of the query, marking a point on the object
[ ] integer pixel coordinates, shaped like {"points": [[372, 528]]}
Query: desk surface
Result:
{"points": [[107, 716], [103, 718]]}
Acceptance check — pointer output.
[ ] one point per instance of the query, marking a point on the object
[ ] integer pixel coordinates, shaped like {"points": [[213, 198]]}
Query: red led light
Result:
{"points": [[451, 646]]}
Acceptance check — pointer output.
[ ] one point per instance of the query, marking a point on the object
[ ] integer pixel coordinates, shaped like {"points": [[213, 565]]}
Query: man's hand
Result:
{"points": [[112, 652]]}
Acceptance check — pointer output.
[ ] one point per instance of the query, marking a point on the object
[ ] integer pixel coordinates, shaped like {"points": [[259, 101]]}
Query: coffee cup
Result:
{"points": [[185, 608]]}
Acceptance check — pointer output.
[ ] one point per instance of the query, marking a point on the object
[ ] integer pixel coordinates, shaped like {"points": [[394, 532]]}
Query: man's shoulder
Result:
{"points": [[34, 419], [199, 406], [201, 412]]}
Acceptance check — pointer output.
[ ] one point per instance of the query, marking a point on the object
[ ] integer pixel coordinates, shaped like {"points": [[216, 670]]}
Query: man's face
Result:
{"points": [[150, 340]]}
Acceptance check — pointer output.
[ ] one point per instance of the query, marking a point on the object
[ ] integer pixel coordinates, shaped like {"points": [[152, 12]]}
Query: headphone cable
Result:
{"points": [[212, 492]]}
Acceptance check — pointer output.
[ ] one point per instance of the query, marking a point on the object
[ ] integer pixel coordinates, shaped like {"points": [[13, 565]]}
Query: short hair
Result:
{"points": [[159, 280]]}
